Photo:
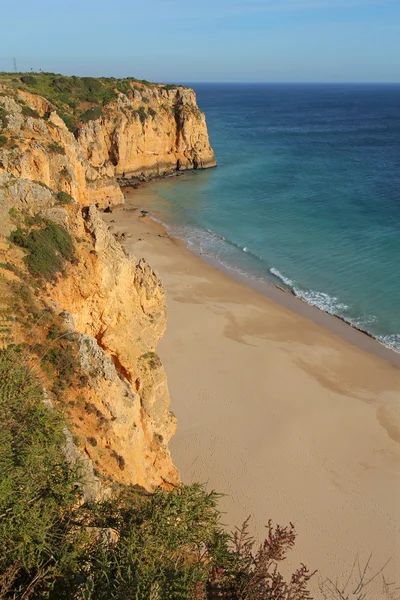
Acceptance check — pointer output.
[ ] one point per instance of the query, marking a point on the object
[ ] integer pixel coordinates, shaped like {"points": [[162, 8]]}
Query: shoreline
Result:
{"points": [[288, 418], [285, 297]]}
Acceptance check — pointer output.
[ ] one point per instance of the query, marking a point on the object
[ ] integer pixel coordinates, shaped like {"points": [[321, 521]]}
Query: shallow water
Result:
{"points": [[306, 194]]}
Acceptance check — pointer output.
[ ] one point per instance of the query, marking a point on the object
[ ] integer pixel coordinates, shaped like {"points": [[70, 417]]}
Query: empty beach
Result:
{"points": [[292, 421]]}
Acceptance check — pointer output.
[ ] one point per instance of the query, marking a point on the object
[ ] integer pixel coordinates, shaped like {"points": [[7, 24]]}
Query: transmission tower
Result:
{"points": [[15, 64]]}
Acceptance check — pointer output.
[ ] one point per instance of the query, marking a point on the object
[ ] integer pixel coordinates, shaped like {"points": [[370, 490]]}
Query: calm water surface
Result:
{"points": [[306, 194]]}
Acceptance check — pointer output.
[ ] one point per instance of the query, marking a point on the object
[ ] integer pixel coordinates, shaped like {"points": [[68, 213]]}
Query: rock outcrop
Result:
{"points": [[117, 303]]}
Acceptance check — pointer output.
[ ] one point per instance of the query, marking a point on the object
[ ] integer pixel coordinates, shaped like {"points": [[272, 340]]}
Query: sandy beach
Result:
{"points": [[294, 419]]}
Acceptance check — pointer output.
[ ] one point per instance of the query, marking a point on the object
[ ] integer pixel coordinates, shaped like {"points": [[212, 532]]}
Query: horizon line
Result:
{"points": [[295, 82]]}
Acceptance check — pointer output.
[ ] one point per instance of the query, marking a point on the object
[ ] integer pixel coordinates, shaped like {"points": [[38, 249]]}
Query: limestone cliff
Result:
{"points": [[117, 303], [147, 131], [110, 306]]}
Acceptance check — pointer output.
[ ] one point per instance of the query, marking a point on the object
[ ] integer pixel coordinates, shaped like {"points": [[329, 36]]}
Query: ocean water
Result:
{"points": [[306, 195]]}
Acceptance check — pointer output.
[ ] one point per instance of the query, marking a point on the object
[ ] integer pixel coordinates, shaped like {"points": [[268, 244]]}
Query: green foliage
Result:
{"points": [[28, 80], [92, 85], [70, 121], [44, 185], [152, 359], [48, 248], [14, 214], [71, 95], [56, 148], [108, 96], [123, 85], [142, 114], [27, 111], [3, 117], [38, 494], [3, 140], [161, 541], [26, 305], [59, 362], [64, 198], [91, 114], [151, 112]]}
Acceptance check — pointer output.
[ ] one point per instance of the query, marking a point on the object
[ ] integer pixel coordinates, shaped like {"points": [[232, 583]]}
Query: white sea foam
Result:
{"points": [[390, 341], [209, 243], [325, 302], [279, 275]]}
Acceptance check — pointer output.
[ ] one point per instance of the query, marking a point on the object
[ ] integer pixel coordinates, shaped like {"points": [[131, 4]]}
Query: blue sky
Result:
{"points": [[211, 40]]}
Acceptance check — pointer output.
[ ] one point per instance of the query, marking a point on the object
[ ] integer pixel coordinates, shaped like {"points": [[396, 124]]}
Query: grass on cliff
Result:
{"points": [[48, 247], [79, 99]]}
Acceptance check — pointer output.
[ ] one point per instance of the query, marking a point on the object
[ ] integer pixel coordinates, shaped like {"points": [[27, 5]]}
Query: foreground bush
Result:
{"points": [[38, 542], [135, 546]]}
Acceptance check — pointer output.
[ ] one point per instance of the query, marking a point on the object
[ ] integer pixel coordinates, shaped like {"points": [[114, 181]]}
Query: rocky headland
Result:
{"points": [[60, 156]]}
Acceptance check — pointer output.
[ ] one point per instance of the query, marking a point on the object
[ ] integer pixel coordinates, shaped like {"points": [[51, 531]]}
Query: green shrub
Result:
{"points": [[48, 248], [29, 80], [3, 117], [69, 101], [63, 364], [92, 85], [43, 184], [123, 85], [151, 112], [14, 214], [70, 121], [64, 198], [142, 114], [109, 96], [56, 148], [3, 140], [27, 111], [91, 114], [38, 489]]}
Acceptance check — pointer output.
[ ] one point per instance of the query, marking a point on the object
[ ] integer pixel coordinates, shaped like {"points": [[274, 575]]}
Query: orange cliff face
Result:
{"points": [[117, 304], [113, 303], [112, 306], [151, 131]]}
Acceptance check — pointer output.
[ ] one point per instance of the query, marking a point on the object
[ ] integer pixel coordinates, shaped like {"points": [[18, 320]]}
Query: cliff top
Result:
{"points": [[78, 99]]}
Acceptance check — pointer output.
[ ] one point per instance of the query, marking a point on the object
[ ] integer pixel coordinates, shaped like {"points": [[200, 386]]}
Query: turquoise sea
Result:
{"points": [[306, 195]]}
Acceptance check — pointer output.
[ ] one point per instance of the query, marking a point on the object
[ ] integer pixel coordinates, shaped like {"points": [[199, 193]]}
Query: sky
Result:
{"points": [[212, 40]]}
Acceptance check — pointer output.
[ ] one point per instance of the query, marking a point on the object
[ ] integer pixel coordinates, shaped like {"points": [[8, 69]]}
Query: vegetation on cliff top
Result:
{"points": [[77, 99]]}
